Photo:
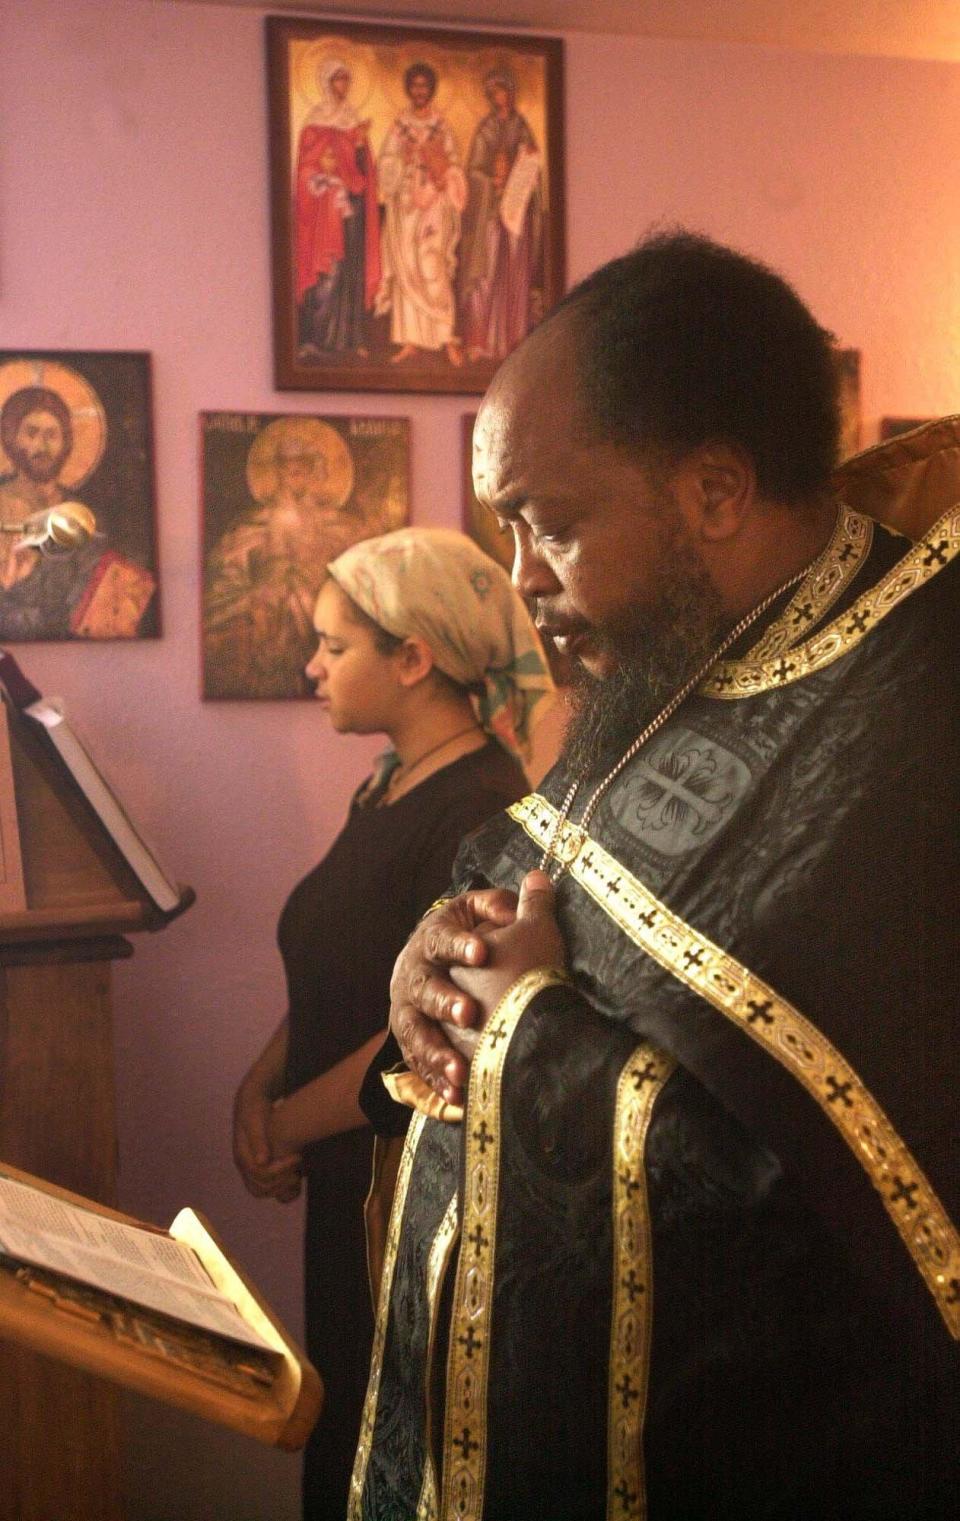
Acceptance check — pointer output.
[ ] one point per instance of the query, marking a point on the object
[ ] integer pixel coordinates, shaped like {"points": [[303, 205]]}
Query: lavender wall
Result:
{"points": [[133, 214]]}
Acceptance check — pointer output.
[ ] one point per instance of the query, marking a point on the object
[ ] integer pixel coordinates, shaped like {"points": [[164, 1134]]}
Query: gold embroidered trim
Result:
{"points": [[784, 1033], [828, 579], [465, 1423], [437, 1260], [745, 678], [639, 1087], [368, 1421]]}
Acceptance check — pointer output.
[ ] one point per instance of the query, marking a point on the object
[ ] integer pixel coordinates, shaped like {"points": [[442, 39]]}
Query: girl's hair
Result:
{"points": [[383, 641], [386, 643]]}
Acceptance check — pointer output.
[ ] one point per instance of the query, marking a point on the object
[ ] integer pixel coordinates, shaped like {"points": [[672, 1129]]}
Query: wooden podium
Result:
{"points": [[67, 900]]}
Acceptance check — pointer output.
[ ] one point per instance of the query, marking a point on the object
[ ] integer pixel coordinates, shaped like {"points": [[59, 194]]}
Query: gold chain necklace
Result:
{"points": [[552, 864]]}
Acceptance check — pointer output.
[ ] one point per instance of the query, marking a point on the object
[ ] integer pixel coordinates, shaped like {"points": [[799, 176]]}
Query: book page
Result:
{"points": [[521, 183], [48, 713], [140, 1265]]}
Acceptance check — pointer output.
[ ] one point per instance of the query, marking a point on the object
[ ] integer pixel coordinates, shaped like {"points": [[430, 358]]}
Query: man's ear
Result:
{"points": [[414, 661], [715, 486]]}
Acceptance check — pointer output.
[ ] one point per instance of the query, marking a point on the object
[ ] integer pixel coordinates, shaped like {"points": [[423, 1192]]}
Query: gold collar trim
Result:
{"points": [[923, 1224], [638, 1089], [733, 679], [828, 578]]}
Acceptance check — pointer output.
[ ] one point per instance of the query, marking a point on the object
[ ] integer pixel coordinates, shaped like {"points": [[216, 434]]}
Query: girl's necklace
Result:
{"points": [[403, 772]]}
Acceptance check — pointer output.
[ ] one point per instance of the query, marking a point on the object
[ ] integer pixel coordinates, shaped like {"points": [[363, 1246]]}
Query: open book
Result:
{"points": [[148, 1267], [163, 1312], [62, 744]]}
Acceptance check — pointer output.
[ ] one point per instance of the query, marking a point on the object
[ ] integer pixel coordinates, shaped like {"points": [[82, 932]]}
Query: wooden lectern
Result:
{"points": [[67, 900], [163, 1312]]}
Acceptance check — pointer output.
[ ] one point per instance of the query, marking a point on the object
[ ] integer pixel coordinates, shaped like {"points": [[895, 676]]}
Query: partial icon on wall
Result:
{"points": [[282, 496]]}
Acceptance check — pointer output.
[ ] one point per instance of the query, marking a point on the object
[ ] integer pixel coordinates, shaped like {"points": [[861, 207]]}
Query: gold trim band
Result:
{"points": [[368, 1420], [465, 1423], [437, 1260], [746, 678], [828, 579], [639, 1087], [784, 1033]]}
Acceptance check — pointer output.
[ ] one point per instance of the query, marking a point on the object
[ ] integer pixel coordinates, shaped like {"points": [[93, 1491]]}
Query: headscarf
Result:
{"points": [[332, 112], [505, 78], [438, 584]]}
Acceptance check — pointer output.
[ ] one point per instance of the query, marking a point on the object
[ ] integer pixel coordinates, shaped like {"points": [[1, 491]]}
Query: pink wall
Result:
{"points": [[133, 214]]}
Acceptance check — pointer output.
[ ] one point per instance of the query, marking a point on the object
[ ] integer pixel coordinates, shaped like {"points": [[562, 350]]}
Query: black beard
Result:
{"points": [[655, 655], [41, 469]]}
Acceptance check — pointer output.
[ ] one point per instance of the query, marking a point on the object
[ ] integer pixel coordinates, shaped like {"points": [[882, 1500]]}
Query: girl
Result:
{"points": [[421, 637]]}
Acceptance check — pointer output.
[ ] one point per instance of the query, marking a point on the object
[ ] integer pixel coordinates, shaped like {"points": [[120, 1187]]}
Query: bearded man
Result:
{"points": [[91, 593], [423, 190], [37, 436], [684, 1246]]}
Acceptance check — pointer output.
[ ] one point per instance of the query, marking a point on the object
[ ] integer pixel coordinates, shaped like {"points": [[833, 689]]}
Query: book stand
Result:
{"points": [[67, 900], [264, 1389]]}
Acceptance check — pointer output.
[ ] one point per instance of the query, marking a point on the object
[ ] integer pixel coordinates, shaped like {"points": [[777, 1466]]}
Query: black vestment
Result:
{"points": [[747, 1306]]}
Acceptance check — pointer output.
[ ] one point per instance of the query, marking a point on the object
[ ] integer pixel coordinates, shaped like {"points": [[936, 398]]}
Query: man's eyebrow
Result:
{"points": [[511, 508]]}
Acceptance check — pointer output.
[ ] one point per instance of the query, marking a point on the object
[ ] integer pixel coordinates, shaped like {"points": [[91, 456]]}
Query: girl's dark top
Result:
{"points": [[340, 932]]}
